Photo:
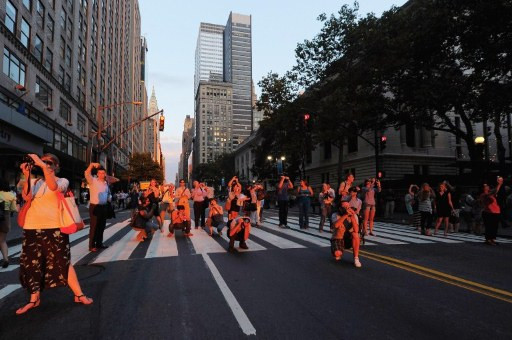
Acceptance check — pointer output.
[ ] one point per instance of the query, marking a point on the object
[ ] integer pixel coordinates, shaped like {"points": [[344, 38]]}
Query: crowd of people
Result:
{"points": [[45, 259]]}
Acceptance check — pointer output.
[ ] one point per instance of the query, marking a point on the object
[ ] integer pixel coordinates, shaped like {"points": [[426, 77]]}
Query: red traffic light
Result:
{"points": [[306, 116], [380, 174], [383, 138]]}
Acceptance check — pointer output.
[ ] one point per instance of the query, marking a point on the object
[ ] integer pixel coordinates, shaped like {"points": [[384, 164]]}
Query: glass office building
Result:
{"points": [[209, 54]]}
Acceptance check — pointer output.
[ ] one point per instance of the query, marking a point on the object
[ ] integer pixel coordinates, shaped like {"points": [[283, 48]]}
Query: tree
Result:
{"points": [[141, 167], [222, 167]]}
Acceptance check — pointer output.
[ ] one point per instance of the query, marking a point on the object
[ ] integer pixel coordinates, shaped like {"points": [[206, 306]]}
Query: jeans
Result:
{"points": [[491, 222], [283, 212], [326, 212], [185, 226], [304, 204], [150, 226], [390, 209]]}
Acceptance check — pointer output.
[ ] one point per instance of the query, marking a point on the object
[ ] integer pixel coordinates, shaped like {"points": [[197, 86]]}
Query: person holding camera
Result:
{"points": [[345, 222], [345, 186], [371, 186], [45, 260], [282, 198], [198, 196], [304, 193], [99, 196], [143, 223], [239, 230], [154, 195], [180, 219], [167, 205], [215, 217], [326, 198]]}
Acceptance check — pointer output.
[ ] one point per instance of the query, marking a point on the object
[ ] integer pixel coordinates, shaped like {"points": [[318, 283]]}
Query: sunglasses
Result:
{"points": [[47, 162]]}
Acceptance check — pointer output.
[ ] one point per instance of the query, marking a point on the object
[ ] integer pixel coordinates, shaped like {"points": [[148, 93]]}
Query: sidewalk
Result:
{"points": [[15, 234]]}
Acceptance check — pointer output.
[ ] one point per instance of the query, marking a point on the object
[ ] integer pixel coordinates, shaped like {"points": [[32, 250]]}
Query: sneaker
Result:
{"points": [[357, 263], [371, 233], [170, 235], [5, 264], [282, 226], [188, 234], [244, 246]]}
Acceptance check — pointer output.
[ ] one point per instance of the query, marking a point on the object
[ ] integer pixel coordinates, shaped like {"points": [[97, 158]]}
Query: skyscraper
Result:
{"points": [[209, 54], [238, 71]]}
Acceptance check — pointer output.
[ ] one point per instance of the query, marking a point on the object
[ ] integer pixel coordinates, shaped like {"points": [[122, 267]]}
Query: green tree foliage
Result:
{"points": [[141, 167], [213, 172]]}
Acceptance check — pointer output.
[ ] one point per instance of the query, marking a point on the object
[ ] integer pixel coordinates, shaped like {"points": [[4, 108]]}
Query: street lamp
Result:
{"points": [[479, 144], [102, 128]]}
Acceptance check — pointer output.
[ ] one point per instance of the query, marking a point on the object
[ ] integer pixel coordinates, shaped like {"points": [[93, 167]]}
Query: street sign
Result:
{"points": [[144, 185]]}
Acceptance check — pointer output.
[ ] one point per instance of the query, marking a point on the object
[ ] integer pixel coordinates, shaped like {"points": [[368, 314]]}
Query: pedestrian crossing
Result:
{"points": [[386, 233]]}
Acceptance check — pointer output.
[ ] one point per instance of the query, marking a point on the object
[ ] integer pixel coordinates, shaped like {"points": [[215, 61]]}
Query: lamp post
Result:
{"points": [[102, 128], [480, 144]]}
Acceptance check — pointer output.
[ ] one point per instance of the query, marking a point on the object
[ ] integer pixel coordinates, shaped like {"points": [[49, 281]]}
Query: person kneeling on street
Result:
{"points": [[215, 217], [143, 222], [239, 230], [180, 220], [345, 231]]}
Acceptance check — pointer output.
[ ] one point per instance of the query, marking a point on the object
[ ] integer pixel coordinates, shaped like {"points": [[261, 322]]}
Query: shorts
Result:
{"points": [[5, 225], [369, 207], [45, 259], [165, 206], [337, 244]]}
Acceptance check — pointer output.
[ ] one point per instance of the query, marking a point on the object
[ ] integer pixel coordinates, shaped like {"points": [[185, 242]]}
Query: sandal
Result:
{"points": [[34, 304], [82, 299]]}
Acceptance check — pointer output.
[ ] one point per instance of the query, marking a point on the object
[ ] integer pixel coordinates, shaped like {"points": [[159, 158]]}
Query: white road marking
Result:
{"points": [[8, 290], [237, 310], [80, 250], [311, 239], [203, 243], [161, 245], [120, 250], [253, 246], [10, 268], [277, 241]]}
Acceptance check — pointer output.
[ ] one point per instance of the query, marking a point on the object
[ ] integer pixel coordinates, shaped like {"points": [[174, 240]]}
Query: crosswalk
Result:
{"points": [[124, 246], [385, 233]]}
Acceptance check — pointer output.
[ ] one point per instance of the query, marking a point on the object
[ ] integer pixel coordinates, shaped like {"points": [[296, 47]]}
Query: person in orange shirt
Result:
{"points": [[180, 220]]}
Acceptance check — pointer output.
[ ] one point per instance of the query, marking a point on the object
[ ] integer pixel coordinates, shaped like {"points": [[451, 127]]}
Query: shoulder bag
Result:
{"points": [[110, 212], [70, 219], [23, 210]]}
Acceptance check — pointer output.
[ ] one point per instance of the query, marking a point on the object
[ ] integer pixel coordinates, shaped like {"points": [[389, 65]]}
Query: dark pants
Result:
{"points": [[283, 212], [491, 224], [236, 237], [326, 211], [199, 211], [426, 221], [98, 215], [304, 204], [185, 226]]}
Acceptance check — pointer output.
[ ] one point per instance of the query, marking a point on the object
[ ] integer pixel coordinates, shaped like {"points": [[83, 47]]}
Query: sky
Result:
{"points": [[171, 28]]}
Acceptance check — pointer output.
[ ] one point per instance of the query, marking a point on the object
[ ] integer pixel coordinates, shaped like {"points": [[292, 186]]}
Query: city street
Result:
{"points": [[285, 286]]}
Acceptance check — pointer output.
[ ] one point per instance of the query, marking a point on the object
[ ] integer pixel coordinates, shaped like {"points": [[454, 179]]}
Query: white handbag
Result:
{"points": [[70, 219]]}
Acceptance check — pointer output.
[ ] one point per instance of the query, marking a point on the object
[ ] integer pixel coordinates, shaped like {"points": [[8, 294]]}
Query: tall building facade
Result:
{"points": [[238, 71], [209, 54], [214, 114], [222, 87], [65, 64], [151, 142], [186, 147]]}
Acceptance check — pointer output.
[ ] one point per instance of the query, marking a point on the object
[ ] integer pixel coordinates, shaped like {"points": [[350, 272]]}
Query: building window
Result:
{"points": [[61, 75], [40, 13], [43, 92], [67, 84], [10, 16], [80, 124], [51, 26], [327, 150], [352, 143], [13, 67], [68, 56], [65, 110], [48, 59], [38, 49], [410, 135], [25, 33], [63, 18], [28, 4]]}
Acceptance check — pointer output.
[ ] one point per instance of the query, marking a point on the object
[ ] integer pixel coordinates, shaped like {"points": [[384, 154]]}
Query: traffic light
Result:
{"points": [[306, 117], [380, 174], [382, 143], [161, 124]]}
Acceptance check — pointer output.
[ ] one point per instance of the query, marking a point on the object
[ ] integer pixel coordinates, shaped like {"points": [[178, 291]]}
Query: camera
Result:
{"points": [[27, 159]]}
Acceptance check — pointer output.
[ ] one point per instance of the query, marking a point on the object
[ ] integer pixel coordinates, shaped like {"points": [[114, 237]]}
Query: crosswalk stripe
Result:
{"points": [[413, 233], [253, 246], [8, 290], [120, 250], [161, 245], [10, 268], [203, 243], [308, 238], [275, 240], [80, 250]]}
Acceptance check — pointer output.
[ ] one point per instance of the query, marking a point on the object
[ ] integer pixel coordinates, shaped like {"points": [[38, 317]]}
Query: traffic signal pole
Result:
{"points": [[377, 149]]}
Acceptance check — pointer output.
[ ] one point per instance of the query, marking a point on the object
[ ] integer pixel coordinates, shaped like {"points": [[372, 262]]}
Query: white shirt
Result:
{"points": [[98, 191]]}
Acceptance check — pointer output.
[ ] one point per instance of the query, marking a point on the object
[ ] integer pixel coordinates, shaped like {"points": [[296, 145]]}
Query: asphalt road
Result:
{"points": [[287, 287]]}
